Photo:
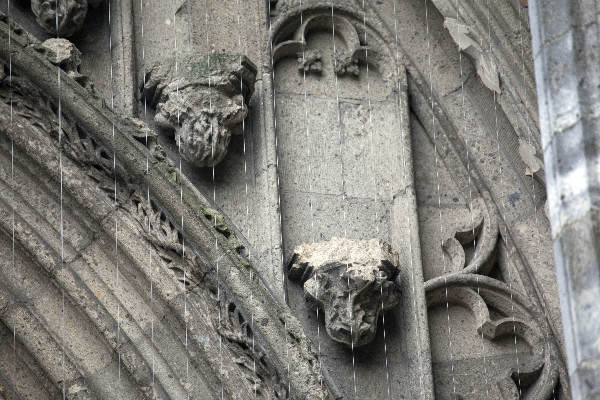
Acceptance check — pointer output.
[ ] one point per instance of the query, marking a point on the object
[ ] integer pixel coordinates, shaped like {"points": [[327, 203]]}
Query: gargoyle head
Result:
{"points": [[352, 281], [71, 14], [203, 101]]}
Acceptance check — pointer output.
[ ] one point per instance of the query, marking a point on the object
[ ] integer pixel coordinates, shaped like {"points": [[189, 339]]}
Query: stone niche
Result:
{"points": [[344, 167]]}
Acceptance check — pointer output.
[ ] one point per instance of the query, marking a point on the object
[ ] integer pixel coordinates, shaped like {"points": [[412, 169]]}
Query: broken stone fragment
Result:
{"points": [[534, 166], [469, 43], [203, 101], [64, 54], [71, 14], [352, 281]]}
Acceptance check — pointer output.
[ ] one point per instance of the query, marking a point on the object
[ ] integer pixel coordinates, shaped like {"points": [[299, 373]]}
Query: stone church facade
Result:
{"points": [[292, 199]]}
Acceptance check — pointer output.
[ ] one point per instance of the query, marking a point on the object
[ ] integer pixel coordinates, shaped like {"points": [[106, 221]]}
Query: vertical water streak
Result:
{"points": [[310, 183], [374, 172], [437, 175], [404, 179], [62, 252], [149, 205], [503, 214], [247, 202], [185, 313], [12, 183], [112, 108], [344, 203], [283, 277], [214, 187], [530, 138], [468, 158]]}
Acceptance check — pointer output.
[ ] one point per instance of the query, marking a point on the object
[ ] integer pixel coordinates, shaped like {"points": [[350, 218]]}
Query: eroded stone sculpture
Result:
{"points": [[203, 101], [352, 281], [310, 61], [71, 14]]}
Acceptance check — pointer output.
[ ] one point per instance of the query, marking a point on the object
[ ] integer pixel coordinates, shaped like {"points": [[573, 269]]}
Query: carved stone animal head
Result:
{"points": [[352, 281], [71, 14], [203, 101]]}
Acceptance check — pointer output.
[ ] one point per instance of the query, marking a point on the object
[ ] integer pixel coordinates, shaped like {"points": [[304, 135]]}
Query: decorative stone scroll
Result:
{"points": [[499, 310], [352, 281], [203, 100]]}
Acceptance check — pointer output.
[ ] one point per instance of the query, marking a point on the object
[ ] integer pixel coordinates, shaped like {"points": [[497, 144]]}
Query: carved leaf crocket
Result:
{"points": [[352, 281]]}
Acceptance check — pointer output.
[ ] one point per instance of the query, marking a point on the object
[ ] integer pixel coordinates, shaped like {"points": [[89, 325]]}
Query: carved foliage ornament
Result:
{"points": [[92, 120], [347, 57], [352, 281], [154, 226], [203, 100]]}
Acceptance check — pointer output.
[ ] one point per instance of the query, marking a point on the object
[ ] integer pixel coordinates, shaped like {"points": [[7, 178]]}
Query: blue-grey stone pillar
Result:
{"points": [[566, 51]]}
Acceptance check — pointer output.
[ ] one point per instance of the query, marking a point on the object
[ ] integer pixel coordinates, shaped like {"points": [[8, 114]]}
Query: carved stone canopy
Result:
{"points": [[352, 281], [203, 100]]}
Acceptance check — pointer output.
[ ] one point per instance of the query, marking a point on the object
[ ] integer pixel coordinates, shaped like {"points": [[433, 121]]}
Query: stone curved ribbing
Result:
{"points": [[131, 155]]}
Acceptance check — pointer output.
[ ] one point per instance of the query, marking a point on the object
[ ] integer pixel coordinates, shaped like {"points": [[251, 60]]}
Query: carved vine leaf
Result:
{"points": [[30, 103], [310, 61], [249, 354], [167, 241]]}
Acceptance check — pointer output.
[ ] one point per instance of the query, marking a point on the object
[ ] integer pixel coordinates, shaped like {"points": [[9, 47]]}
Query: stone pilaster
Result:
{"points": [[566, 52]]}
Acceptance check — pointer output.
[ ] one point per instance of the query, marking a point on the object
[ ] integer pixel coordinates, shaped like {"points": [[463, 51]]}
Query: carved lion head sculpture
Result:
{"points": [[203, 100], [352, 281], [71, 14]]}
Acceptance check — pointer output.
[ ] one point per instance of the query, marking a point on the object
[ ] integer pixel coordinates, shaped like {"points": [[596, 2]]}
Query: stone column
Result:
{"points": [[566, 49]]}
